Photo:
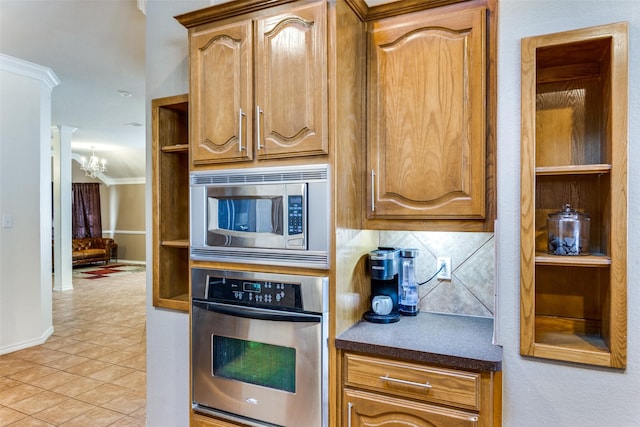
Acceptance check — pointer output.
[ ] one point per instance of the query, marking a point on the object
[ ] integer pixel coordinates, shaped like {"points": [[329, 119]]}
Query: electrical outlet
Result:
{"points": [[445, 273]]}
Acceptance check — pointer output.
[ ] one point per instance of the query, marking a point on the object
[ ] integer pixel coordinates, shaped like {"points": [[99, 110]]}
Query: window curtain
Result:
{"points": [[87, 221]]}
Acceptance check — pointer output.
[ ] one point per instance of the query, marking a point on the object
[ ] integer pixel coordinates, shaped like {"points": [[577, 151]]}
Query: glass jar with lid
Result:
{"points": [[568, 232]]}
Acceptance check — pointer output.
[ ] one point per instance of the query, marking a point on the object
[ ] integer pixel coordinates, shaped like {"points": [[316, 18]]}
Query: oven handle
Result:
{"points": [[257, 313]]}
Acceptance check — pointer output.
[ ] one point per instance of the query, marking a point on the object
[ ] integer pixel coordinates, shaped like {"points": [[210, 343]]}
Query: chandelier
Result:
{"points": [[94, 165]]}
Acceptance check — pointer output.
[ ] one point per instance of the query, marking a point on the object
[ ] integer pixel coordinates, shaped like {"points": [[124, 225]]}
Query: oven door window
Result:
{"points": [[251, 215], [254, 362]]}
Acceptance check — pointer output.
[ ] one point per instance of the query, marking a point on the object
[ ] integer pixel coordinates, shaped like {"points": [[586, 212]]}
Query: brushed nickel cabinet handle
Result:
{"points": [[405, 382], [258, 112], [373, 192], [240, 116], [349, 415]]}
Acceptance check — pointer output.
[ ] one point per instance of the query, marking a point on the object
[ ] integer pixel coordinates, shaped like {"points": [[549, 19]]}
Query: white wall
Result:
{"points": [[538, 393], [167, 68], [25, 201]]}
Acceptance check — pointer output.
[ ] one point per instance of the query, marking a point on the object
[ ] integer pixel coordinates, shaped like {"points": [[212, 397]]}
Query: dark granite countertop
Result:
{"points": [[462, 342]]}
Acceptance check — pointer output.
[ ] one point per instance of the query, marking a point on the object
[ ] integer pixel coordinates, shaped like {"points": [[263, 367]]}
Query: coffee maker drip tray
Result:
{"points": [[372, 317]]}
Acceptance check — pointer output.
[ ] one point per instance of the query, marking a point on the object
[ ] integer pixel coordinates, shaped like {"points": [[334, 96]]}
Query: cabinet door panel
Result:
{"points": [[291, 83], [221, 94], [427, 116], [363, 409]]}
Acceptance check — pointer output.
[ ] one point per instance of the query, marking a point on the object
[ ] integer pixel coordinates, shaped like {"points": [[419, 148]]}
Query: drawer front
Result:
{"points": [[202, 421], [362, 409], [413, 380]]}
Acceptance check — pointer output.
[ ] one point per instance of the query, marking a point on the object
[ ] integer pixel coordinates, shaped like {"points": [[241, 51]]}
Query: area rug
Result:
{"points": [[109, 270]]}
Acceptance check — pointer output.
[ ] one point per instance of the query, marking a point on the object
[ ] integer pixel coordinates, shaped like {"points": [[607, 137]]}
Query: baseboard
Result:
{"points": [[128, 261], [27, 344]]}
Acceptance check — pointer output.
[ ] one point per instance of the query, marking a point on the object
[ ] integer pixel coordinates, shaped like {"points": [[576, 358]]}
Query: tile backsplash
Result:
{"points": [[471, 288]]}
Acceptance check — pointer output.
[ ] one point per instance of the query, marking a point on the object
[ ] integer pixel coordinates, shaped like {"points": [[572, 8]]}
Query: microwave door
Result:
{"points": [[245, 222], [267, 215]]}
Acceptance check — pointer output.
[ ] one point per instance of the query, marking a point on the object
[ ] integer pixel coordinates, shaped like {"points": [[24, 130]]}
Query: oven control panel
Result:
{"points": [[255, 293]]}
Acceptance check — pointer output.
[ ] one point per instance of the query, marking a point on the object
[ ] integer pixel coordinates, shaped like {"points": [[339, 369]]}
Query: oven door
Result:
{"points": [[257, 365]]}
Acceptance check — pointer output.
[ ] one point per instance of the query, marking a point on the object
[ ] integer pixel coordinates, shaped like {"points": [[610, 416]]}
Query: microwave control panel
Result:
{"points": [[254, 293], [294, 215]]}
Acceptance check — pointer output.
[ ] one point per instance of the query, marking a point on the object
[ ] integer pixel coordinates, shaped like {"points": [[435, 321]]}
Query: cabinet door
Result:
{"points": [[427, 120], [221, 94], [291, 83], [362, 409]]}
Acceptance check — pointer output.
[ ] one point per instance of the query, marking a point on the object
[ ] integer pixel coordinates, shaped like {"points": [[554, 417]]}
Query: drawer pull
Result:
{"points": [[396, 380]]}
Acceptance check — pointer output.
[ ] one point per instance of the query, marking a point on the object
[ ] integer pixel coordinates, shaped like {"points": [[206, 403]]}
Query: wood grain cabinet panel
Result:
{"points": [[222, 93], [387, 392], [291, 83], [427, 119], [203, 421], [282, 55], [412, 380], [364, 409]]}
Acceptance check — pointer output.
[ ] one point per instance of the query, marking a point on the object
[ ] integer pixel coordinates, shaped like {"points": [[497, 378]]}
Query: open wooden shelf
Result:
{"points": [[573, 169], [593, 260], [178, 148], [170, 118], [571, 333], [180, 243], [573, 340], [574, 115]]}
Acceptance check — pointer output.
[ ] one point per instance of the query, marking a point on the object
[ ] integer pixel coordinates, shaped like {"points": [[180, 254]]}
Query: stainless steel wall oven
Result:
{"points": [[259, 347]]}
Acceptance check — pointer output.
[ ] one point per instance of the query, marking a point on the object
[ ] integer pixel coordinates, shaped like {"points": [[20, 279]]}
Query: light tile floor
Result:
{"points": [[92, 370]]}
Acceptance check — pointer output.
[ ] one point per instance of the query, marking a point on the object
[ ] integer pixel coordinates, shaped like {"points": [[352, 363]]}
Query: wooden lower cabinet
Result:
{"points": [[378, 391], [203, 421], [362, 409]]}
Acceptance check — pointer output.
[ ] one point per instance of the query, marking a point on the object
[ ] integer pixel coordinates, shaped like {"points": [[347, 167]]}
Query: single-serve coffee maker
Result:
{"points": [[384, 266]]}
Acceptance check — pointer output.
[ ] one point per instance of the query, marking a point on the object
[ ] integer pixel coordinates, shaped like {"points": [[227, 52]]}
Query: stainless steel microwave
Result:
{"points": [[275, 215]]}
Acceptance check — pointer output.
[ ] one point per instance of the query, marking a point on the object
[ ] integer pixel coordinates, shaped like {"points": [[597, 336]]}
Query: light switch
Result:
{"points": [[7, 221]]}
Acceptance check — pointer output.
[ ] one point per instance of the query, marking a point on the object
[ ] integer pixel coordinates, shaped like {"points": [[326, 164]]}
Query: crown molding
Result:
{"points": [[111, 181], [142, 6], [29, 69], [128, 181]]}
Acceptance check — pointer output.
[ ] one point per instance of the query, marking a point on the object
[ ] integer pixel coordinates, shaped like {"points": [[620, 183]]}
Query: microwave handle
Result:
{"points": [[259, 314]]}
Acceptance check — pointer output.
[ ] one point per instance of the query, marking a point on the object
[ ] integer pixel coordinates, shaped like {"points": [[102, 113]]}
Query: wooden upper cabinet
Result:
{"points": [[291, 83], [427, 116], [221, 93], [282, 53]]}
